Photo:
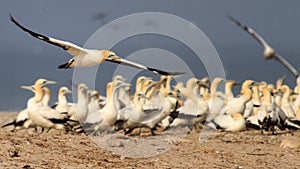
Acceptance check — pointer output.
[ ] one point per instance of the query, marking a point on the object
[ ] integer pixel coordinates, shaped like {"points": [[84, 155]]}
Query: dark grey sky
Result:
{"points": [[24, 59]]}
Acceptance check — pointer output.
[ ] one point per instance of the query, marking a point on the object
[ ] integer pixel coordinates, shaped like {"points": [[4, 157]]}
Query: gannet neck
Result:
{"points": [[168, 83], [256, 97], [62, 99], [248, 94], [136, 99], [138, 83], [82, 93], [47, 96], [39, 94], [214, 85], [109, 91], [228, 90], [286, 94], [266, 96], [145, 85]]}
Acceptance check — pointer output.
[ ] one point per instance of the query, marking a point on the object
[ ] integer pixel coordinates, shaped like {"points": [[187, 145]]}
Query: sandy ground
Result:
{"points": [[247, 149]]}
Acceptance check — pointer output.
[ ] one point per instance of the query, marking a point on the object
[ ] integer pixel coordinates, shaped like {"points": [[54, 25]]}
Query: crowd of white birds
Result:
{"points": [[158, 105]]}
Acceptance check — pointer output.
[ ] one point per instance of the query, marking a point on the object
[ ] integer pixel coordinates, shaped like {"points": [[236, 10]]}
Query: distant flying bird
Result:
{"points": [[89, 57], [269, 52]]}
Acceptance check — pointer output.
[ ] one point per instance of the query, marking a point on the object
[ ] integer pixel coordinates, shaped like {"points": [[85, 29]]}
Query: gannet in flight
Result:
{"points": [[269, 52], [89, 57]]}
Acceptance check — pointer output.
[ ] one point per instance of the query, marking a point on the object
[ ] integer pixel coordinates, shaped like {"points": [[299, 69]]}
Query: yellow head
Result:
{"points": [[109, 55], [63, 90]]}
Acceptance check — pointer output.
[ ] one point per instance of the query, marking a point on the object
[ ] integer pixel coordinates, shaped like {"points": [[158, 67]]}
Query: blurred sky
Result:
{"points": [[24, 59]]}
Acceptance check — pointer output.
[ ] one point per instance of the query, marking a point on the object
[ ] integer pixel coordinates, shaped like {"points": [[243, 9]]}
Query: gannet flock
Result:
{"points": [[158, 105]]}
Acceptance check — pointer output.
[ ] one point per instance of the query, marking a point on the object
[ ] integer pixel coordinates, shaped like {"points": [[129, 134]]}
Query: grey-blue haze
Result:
{"points": [[24, 59]]}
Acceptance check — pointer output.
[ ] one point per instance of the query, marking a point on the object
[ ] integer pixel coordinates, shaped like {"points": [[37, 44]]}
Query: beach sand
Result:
{"points": [[248, 149]]}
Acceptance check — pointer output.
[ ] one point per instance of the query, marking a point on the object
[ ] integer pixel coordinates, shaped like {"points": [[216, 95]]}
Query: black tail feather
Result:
{"points": [[9, 124], [161, 72], [64, 66]]}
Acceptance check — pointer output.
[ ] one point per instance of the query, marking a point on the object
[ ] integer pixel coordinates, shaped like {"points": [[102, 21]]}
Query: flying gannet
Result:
{"points": [[89, 57], [269, 52]]}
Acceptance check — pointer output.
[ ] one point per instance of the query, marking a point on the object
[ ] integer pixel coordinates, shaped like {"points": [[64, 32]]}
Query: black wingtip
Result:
{"points": [[176, 73], [10, 16], [230, 17], [64, 66], [161, 72], [13, 20], [234, 20]]}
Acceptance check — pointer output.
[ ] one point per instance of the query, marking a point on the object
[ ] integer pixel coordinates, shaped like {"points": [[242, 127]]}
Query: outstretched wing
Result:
{"points": [[70, 47], [140, 66], [250, 31]]}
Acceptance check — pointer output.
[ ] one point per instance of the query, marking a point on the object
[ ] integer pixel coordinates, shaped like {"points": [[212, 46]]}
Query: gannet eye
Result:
{"points": [[111, 55]]}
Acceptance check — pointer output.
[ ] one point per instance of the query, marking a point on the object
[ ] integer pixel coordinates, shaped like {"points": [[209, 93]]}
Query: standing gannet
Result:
{"points": [[194, 106], [266, 118], [89, 57], [106, 117], [62, 105], [228, 90], [238, 104], [131, 115], [269, 52], [234, 122], [79, 111], [93, 105], [138, 117], [285, 104], [216, 100], [43, 116], [253, 105]]}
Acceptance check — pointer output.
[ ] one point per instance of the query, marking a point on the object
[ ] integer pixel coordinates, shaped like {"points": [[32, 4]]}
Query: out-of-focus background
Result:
{"points": [[24, 59]]}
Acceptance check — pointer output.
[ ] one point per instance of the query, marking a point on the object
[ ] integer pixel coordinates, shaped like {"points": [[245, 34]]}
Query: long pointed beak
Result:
{"points": [[256, 83], [31, 88], [51, 82], [68, 91]]}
